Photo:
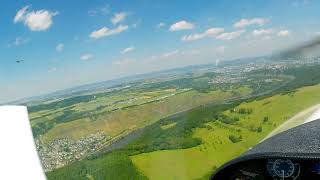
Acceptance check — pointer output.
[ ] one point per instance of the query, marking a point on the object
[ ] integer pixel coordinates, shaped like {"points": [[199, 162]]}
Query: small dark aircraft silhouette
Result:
{"points": [[19, 61]]}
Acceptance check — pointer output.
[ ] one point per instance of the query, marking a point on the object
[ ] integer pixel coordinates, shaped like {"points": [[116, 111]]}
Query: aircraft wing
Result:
{"points": [[18, 155]]}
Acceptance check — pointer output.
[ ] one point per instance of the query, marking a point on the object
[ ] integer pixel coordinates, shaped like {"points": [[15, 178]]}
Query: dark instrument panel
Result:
{"points": [[277, 169], [292, 154]]}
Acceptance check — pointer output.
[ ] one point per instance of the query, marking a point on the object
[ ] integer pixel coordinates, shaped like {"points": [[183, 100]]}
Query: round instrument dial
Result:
{"points": [[283, 168]]}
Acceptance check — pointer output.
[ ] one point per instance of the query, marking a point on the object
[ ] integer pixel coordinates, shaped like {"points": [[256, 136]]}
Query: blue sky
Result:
{"points": [[65, 44]]}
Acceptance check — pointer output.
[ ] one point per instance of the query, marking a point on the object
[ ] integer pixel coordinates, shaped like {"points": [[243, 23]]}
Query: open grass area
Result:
{"points": [[115, 166], [168, 126], [277, 109], [116, 122], [222, 141], [195, 162]]}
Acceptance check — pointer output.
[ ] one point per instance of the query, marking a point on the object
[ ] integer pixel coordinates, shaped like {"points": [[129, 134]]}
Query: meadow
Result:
{"points": [[113, 166], [217, 146], [116, 122], [189, 127]]}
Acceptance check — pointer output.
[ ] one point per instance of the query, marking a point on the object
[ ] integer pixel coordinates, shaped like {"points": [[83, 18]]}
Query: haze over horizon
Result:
{"points": [[116, 39]]}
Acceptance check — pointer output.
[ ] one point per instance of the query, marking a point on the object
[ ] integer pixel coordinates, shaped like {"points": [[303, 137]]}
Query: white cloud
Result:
{"points": [[122, 62], [51, 70], [175, 54], [87, 56], [118, 17], [220, 49], [246, 22], [40, 20], [212, 32], [299, 3], [137, 23], [19, 41], [104, 32], [170, 54], [262, 32], [20, 16], [181, 25], [191, 52], [161, 24], [230, 35], [128, 49], [284, 33], [103, 10], [59, 47], [153, 57], [193, 37]]}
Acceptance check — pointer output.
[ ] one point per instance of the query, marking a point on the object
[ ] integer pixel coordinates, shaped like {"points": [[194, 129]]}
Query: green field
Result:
{"points": [[216, 147], [113, 166], [191, 163], [115, 123], [169, 128]]}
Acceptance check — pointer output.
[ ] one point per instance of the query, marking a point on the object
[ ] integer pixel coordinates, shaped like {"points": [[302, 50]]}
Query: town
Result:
{"points": [[62, 151]]}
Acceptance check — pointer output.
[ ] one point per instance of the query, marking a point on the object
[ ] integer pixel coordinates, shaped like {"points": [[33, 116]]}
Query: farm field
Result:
{"points": [[216, 147], [173, 127], [75, 124], [192, 163], [115, 123]]}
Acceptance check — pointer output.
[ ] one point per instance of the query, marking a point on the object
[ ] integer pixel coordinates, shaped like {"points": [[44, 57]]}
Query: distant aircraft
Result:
{"points": [[19, 61]]}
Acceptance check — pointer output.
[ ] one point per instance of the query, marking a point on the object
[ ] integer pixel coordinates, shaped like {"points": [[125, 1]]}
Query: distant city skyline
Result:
{"points": [[49, 46]]}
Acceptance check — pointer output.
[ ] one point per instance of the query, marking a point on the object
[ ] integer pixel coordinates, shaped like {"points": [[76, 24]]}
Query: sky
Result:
{"points": [[52, 45]]}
